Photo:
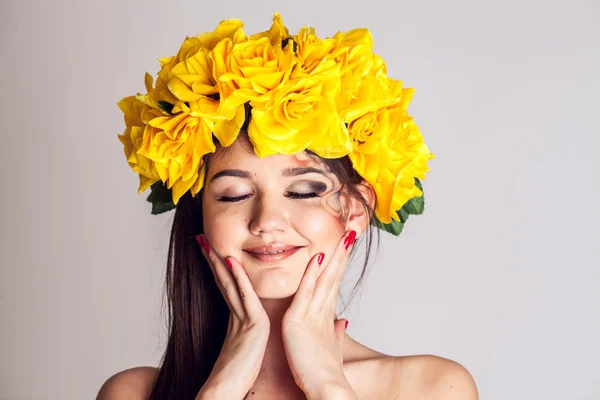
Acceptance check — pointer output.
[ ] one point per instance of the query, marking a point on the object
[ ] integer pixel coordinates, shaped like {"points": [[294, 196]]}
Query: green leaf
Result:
{"points": [[166, 106], [414, 206], [395, 227], [161, 198]]}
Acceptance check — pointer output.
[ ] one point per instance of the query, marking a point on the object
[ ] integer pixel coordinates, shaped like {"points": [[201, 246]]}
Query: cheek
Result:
{"points": [[317, 224], [224, 229]]}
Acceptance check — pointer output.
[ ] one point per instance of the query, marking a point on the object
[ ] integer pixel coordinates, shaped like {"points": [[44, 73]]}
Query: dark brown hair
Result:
{"points": [[198, 315]]}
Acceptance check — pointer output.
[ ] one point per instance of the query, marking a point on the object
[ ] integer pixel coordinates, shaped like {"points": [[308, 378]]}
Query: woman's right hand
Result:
{"points": [[240, 360]]}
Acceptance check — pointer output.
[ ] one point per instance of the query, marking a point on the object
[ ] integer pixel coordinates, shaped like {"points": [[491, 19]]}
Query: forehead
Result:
{"points": [[241, 155]]}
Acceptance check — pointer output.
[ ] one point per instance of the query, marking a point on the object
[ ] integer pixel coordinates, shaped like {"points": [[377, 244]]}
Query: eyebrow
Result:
{"points": [[293, 171]]}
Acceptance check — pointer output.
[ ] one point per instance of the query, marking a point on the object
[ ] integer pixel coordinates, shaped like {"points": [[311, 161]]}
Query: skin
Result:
{"points": [[267, 214]]}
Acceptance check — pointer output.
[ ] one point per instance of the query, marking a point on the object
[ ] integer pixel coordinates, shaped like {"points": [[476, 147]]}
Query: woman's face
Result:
{"points": [[249, 202]]}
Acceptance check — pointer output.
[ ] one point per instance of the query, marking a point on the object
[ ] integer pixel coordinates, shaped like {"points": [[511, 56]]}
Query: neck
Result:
{"points": [[275, 377]]}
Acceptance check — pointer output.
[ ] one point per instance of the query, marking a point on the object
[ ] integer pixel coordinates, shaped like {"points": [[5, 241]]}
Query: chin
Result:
{"points": [[275, 283], [271, 294], [274, 296]]}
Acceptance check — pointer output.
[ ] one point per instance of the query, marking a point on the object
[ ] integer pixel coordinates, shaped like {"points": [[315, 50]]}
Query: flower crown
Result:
{"points": [[331, 96]]}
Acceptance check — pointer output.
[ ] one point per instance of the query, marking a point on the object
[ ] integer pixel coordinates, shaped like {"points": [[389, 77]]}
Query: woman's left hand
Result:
{"points": [[312, 336]]}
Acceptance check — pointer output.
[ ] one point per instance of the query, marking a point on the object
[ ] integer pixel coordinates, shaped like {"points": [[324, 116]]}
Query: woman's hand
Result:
{"points": [[312, 338], [241, 357]]}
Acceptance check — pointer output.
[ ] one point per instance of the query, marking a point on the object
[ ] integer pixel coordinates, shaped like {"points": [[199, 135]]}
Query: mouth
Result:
{"points": [[273, 255]]}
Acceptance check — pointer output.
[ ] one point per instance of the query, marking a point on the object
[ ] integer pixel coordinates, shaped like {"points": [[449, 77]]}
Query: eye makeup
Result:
{"points": [[302, 189], [308, 186]]}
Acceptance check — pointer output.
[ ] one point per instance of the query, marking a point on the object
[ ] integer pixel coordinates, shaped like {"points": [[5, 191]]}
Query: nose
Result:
{"points": [[268, 215]]}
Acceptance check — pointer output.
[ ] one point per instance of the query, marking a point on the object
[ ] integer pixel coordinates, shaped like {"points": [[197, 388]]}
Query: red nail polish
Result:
{"points": [[346, 325], [320, 258], [202, 242], [349, 239], [228, 262]]}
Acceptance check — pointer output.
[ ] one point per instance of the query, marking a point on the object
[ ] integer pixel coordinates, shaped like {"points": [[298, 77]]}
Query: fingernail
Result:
{"points": [[202, 242], [346, 325], [349, 239], [320, 258], [228, 262]]}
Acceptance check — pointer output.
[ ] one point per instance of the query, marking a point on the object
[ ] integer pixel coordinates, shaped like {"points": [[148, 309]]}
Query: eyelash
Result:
{"points": [[292, 195]]}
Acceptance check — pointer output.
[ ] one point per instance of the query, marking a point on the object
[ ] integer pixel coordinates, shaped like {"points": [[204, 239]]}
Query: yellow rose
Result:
{"points": [[137, 115], [375, 90], [227, 29], [314, 55], [230, 28], [348, 55], [409, 158], [170, 128], [224, 124], [301, 114], [190, 73], [169, 149], [389, 152], [190, 84], [193, 84], [368, 95], [169, 96], [251, 71], [353, 50], [156, 94], [276, 34], [378, 68], [367, 131], [177, 145]]}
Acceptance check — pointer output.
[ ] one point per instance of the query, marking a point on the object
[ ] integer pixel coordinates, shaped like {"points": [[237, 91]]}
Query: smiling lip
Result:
{"points": [[284, 250]]}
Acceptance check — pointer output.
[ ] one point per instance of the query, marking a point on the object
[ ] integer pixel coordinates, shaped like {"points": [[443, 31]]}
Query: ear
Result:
{"points": [[357, 216]]}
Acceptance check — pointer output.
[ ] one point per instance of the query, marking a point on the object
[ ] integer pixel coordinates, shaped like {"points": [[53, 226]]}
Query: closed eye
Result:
{"points": [[233, 199], [292, 195]]}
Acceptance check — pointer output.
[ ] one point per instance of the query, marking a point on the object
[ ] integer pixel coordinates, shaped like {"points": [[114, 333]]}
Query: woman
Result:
{"points": [[274, 174]]}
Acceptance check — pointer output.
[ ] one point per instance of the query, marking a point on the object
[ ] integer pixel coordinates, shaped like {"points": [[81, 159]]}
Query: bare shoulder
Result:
{"points": [[431, 377], [134, 383], [411, 377]]}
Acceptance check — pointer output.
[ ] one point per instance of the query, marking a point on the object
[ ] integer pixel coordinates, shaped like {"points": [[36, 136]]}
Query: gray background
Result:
{"points": [[500, 274]]}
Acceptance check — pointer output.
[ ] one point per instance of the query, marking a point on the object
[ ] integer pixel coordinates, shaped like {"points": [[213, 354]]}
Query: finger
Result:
{"points": [[224, 278], [247, 294], [304, 294], [327, 285], [340, 329]]}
